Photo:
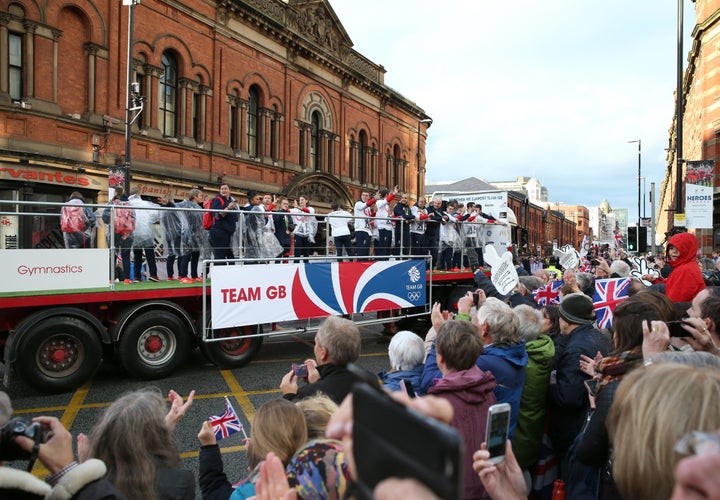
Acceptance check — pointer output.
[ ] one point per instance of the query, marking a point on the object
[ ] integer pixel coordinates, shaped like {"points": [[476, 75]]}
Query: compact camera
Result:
{"points": [[9, 449]]}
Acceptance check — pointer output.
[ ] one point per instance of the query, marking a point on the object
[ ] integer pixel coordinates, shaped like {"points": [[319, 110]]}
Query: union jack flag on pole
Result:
{"points": [[226, 424], [608, 294], [548, 294]]}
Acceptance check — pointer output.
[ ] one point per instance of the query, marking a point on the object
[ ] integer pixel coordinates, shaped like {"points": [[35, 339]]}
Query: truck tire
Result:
{"points": [[233, 353], [59, 354], [153, 344]]}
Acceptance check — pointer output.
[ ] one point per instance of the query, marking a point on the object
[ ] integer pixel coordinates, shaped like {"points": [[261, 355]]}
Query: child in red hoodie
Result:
{"points": [[685, 280]]}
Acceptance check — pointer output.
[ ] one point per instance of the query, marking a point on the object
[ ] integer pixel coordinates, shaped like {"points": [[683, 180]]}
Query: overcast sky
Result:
{"points": [[553, 89]]}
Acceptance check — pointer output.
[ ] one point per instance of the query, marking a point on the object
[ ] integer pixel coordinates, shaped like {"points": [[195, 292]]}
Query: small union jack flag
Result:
{"points": [[608, 294], [226, 424], [585, 266], [548, 294]]}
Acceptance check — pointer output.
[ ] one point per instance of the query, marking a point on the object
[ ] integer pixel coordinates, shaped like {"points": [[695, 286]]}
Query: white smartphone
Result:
{"points": [[496, 433]]}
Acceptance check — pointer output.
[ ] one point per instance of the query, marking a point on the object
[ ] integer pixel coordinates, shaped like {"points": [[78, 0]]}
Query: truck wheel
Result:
{"points": [[232, 353], [59, 354], [153, 344]]}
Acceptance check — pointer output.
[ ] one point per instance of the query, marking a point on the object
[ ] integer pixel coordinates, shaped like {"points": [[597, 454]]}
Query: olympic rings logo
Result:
{"points": [[413, 296]]}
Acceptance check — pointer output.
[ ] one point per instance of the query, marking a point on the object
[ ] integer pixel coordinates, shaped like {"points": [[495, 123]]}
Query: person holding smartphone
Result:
{"points": [[468, 389], [337, 343]]}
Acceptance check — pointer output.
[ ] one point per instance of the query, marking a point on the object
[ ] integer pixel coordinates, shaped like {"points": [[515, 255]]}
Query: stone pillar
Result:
{"points": [[91, 50]]}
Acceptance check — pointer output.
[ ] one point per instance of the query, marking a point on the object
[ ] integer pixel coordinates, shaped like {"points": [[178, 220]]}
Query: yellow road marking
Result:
{"points": [[67, 419], [240, 395], [85, 406]]}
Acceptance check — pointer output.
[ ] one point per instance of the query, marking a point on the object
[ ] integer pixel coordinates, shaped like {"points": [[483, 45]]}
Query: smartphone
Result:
{"points": [[591, 385], [676, 329], [300, 370], [594, 262], [496, 434], [407, 388], [392, 440]]}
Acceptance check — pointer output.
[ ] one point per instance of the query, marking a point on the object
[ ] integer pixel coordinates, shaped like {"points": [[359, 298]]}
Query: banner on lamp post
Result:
{"points": [[699, 182]]}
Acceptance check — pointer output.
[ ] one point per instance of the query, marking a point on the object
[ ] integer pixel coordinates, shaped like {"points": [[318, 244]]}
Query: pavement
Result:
{"points": [[247, 388]]}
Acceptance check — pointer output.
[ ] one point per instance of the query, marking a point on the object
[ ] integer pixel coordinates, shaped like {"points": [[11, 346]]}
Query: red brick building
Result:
{"points": [[263, 94], [701, 118]]}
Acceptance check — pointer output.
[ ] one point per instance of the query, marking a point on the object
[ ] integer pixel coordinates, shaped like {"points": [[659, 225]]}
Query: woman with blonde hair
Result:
{"points": [[278, 426], [134, 437], [654, 408], [318, 411]]}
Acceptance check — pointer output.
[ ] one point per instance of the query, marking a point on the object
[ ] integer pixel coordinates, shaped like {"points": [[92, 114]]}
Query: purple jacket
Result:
{"points": [[470, 392]]}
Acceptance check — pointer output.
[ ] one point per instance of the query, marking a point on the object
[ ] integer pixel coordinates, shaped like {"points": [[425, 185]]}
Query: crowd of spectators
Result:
{"points": [[269, 228], [630, 410]]}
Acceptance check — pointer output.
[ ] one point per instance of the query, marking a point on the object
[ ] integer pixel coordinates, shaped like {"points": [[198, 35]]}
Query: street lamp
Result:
{"points": [[429, 121], [639, 143]]}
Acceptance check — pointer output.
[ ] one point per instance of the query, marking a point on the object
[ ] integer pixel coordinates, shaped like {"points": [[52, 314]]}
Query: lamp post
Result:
{"points": [[679, 113], [639, 143], [420, 191]]}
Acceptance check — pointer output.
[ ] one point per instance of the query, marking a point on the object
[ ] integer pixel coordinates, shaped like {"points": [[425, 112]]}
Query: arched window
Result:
{"points": [[167, 107], [362, 158], [315, 161], [252, 121]]}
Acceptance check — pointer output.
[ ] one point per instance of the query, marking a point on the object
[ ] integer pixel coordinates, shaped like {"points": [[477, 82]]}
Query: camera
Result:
{"points": [[300, 371], [476, 298], [9, 449], [291, 227], [594, 262]]}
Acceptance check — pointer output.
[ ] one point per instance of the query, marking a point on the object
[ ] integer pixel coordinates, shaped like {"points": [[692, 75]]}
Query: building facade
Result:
{"points": [[266, 95], [700, 122], [580, 215]]}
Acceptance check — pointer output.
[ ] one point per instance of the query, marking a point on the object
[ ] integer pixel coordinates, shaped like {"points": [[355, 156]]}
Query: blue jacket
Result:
{"points": [[506, 363], [392, 380], [567, 397], [224, 221]]}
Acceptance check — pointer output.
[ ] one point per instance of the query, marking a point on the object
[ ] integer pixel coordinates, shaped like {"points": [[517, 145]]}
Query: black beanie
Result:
{"points": [[577, 308]]}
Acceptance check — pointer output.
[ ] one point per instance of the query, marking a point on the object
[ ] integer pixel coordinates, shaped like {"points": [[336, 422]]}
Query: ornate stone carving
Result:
{"points": [[361, 65], [317, 26], [271, 8], [317, 192]]}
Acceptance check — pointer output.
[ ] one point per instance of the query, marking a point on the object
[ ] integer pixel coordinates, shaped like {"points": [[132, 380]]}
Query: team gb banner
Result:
{"points": [[269, 293]]}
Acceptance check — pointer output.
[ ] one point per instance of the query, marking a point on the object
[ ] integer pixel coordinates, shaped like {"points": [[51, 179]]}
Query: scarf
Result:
{"points": [[615, 367]]}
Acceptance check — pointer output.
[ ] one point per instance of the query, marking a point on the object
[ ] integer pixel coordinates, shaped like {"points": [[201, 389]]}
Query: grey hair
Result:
{"points": [[620, 267], [406, 351], [341, 338], [502, 321], [584, 280], [530, 282], [530, 322], [698, 359]]}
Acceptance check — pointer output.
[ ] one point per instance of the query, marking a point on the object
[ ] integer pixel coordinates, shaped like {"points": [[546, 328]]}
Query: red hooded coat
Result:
{"points": [[685, 280]]}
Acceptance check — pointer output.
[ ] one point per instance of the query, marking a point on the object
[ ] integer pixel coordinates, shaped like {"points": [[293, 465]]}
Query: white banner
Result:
{"points": [[54, 269], [272, 293], [494, 203], [699, 179]]}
